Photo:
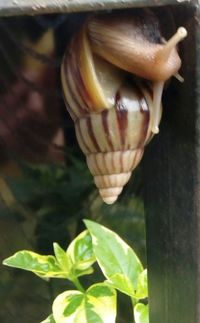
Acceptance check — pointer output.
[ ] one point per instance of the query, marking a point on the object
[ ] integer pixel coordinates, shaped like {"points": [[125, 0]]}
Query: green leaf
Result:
{"points": [[101, 304], [142, 286], [49, 319], [97, 305], [117, 260], [67, 305], [79, 273], [44, 266], [62, 257], [81, 253], [122, 283], [141, 313]]}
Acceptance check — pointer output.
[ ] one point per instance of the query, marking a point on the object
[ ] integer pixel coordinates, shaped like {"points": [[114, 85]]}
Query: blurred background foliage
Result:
{"points": [[45, 187]]}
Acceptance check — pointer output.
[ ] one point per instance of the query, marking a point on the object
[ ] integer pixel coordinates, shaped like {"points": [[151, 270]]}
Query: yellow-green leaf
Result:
{"points": [[97, 305], [142, 286], [67, 305], [141, 313], [115, 258], [81, 253], [62, 257], [122, 283], [44, 266]]}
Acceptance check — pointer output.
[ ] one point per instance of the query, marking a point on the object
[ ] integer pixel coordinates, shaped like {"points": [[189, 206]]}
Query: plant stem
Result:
{"points": [[78, 285]]}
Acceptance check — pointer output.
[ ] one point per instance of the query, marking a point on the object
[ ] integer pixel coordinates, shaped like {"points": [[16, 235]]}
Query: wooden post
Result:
{"points": [[172, 192]]}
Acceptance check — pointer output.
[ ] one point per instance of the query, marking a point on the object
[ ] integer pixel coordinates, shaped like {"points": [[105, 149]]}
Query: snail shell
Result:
{"points": [[113, 75]]}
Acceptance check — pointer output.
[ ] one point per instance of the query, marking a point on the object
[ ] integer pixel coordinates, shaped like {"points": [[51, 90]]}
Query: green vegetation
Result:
{"points": [[48, 203], [118, 262]]}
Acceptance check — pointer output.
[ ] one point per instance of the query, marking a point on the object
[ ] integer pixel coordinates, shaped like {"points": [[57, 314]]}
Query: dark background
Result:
{"points": [[45, 187]]}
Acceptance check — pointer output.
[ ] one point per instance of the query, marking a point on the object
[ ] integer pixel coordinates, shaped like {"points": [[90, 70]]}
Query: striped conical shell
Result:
{"points": [[114, 113]]}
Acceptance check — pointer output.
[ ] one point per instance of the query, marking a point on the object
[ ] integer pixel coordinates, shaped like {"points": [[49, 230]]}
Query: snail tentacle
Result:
{"points": [[171, 44], [157, 97]]}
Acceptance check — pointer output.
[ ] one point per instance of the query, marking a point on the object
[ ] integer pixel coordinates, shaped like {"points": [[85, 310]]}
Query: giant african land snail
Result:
{"points": [[113, 75]]}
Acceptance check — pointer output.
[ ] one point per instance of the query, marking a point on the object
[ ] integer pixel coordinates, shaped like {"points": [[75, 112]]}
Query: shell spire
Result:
{"points": [[114, 96]]}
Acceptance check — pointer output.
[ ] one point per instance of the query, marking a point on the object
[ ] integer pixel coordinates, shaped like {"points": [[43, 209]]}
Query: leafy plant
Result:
{"points": [[118, 262]]}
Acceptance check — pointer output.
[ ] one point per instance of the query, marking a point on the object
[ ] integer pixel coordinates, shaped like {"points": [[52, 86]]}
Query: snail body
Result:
{"points": [[114, 97], [138, 45]]}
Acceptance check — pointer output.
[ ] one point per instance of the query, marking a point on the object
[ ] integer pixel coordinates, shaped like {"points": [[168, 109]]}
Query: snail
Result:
{"points": [[113, 74]]}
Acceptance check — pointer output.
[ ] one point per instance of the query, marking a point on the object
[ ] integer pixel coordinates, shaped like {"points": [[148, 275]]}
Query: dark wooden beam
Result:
{"points": [[21, 7]]}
